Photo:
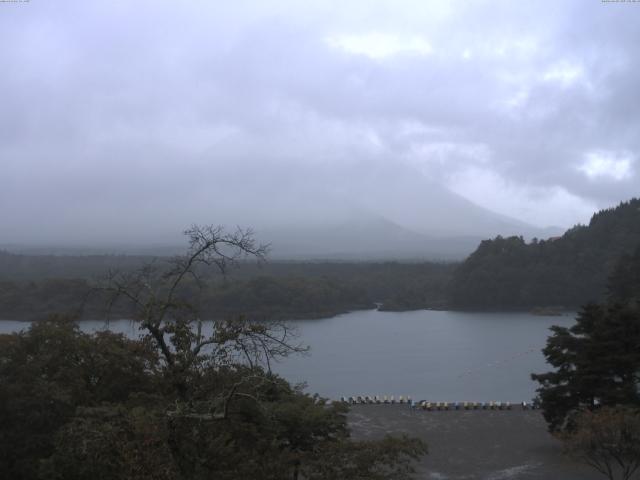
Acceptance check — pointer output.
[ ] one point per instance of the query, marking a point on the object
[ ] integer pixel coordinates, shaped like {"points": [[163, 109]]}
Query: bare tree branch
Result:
{"points": [[160, 303]]}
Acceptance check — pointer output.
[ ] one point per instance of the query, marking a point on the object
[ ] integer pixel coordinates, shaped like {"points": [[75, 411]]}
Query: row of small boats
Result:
{"points": [[375, 399], [431, 406], [424, 405]]}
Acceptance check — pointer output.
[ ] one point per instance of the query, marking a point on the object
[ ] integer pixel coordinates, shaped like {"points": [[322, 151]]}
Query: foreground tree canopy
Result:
{"points": [[608, 440], [591, 400], [597, 360], [188, 400], [597, 363]]}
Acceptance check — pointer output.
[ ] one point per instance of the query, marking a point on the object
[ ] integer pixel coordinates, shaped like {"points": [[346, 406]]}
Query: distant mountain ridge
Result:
{"points": [[364, 238], [365, 211], [568, 271], [374, 210], [361, 198]]}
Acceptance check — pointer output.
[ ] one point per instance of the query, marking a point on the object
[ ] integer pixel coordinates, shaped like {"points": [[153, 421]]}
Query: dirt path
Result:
{"points": [[478, 444]]}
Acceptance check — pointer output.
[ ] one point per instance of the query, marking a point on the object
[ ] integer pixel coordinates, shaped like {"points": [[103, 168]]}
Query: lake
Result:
{"points": [[434, 355]]}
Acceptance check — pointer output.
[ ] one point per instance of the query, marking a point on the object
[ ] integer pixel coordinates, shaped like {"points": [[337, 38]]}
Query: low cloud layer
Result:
{"points": [[132, 119]]}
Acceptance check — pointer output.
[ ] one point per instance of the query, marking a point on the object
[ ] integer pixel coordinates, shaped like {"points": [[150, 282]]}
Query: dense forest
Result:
{"points": [[33, 286], [568, 271], [503, 273], [175, 403]]}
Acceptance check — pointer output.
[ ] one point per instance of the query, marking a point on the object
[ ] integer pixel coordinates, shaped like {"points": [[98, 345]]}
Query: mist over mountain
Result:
{"points": [[292, 117], [354, 210], [357, 193], [364, 238], [376, 211]]}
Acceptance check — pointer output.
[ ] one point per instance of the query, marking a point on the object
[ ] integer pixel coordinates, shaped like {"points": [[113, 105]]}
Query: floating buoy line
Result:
{"points": [[498, 363]]}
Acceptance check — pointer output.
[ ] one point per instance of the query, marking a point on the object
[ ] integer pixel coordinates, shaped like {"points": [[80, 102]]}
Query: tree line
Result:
{"points": [[277, 290], [568, 271], [176, 403], [502, 274]]}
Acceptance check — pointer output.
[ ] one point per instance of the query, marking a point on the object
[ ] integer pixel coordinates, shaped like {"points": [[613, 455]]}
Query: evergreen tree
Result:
{"points": [[624, 282], [567, 271], [597, 360]]}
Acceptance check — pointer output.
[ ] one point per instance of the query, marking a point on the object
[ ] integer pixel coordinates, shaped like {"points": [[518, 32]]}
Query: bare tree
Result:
{"points": [[163, 299], [607, 439]]}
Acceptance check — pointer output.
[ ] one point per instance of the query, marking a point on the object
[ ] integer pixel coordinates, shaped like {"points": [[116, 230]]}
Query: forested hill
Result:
{"points": [[32, 287], [508, 273]]}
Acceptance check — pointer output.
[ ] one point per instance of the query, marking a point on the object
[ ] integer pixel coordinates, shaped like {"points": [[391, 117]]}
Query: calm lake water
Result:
{"points": [[440, 356]]}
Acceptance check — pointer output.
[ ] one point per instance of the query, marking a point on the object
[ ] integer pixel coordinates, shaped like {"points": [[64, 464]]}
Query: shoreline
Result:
{"points": [[336, 313], [473, 444]]}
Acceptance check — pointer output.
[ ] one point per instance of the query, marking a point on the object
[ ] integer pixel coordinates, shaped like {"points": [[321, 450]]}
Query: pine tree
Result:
{"points": [[597, 361]]}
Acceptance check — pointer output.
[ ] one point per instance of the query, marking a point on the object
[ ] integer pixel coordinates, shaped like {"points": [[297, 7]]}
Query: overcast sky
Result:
{"points": [[120, 115]]}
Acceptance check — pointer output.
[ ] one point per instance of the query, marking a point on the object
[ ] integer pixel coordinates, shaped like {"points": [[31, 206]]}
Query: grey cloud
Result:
{"points": [[126, 110]]}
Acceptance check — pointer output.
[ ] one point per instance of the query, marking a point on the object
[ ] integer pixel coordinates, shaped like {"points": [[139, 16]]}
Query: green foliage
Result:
{"points": [[25, 268], [179, 403], [508, 273], [103, 443], [608, 440], [624, 282], [79, 406], [51, 370], [286, 297], [275, 291], [597, 360]]}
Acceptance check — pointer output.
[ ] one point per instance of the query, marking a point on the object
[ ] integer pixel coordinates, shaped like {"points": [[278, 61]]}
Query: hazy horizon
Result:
{"points": [[124, 123]]}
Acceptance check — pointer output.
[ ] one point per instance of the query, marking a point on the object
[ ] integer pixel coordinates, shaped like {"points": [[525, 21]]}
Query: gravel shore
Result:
{"points": [[475, 444]]}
